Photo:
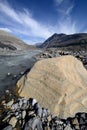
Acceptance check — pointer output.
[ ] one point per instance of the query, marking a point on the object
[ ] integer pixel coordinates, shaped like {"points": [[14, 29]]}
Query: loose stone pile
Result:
{"points": [[57, 52], [27, 114]]}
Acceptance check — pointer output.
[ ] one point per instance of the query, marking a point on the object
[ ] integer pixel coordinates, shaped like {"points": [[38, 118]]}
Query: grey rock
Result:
{"points": [[8, 128], [83, 115], [68, 128], [8, 74], [83, 127], [23, 103], [81, 121], [23, 114], [15, 106], [77, 127], [38, 109], [33, 123]]}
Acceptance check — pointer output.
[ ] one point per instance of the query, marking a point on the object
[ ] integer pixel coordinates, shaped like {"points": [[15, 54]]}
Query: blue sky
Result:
{"points": [[36, 20]]}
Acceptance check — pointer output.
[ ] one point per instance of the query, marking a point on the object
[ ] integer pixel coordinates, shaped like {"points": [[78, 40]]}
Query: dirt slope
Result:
{"points": [[11, 42]]}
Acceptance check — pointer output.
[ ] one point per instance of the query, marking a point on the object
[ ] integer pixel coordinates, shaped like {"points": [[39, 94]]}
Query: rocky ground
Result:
{"points": [[18, 113], [80, 53], [28, 114]]}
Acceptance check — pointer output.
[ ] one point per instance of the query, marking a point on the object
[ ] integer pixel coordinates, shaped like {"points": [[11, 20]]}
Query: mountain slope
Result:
{"points": [[63, 40], [10, 42]]}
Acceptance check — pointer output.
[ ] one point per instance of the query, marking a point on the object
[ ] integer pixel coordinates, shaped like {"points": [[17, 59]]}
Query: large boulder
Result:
{"points": [[59, 84]]}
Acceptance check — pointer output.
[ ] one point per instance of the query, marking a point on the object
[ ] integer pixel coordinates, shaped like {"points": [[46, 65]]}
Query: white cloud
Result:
{"points": [[6, 29], [6, 9], [23, 22], [66, 24]]}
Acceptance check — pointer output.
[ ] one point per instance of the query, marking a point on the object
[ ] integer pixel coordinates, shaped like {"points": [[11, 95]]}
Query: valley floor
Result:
{"points": [[13, 66]]}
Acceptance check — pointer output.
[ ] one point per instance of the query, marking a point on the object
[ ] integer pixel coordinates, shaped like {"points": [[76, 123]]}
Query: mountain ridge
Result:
{"points": [[11, 42], [63, 40]]}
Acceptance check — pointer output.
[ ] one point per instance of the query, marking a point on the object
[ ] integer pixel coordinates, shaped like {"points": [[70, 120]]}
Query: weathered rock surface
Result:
{"points": [[59, 84]]}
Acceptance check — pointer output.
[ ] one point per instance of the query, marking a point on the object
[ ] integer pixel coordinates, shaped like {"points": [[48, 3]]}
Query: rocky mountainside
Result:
{"points": [[59, 84], [10, 42], [63, 40]]}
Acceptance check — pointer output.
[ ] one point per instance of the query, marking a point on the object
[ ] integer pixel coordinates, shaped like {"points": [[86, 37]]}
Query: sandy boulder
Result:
{"points": [[59, 84]]}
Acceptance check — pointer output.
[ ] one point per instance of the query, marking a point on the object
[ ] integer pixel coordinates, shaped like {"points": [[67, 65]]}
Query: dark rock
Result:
{"points": [[63, 40], [81, 121]]}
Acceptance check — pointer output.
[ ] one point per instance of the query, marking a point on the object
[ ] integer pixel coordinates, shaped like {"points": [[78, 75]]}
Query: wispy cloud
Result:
{"points": [[7, 10], [66, 23], [66, 11], [64, 6], [23, 22], [67, 26]]}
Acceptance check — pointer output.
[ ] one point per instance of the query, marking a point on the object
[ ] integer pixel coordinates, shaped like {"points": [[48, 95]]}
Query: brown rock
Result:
{"points": [[75, 121], [59, 84]]}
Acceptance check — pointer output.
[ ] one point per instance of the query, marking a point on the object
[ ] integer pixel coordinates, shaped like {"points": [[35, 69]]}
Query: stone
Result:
{"points": [[60, 81], [33, 123], [81, 121], [23, 114], [83, 115], [9, 104], [20, 119], [15, 106], [8, 128], [23, 103], [75, 121], [3, 102], [8, 74], [83, 127], [6, 118], [13, 121], [7, 91], [77, 127], [21, 72], [68, 128]]}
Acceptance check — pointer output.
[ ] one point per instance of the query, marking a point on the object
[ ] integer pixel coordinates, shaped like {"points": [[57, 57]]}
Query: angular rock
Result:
{"points": [[9, 104], [32, 124], [23, 114], [68, 128], [59, 81], [8, 128], [13, 121]]}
